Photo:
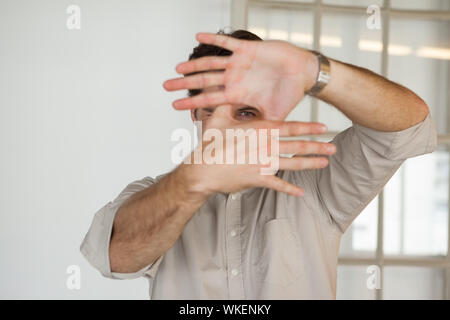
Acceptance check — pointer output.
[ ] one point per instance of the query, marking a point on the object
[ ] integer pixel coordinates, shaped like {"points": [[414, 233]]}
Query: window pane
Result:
{"points": [[360, 239], [278, 24], [347, 38], [421, 4], [416, 206], [364, 3], [301, 27], [352, 283], [413, 283], [419, 59], [302, 111], [257, 21], [294, 26]]}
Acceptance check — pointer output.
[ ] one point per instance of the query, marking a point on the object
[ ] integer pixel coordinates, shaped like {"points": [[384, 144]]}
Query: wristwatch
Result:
{"points": [[323, 76]]}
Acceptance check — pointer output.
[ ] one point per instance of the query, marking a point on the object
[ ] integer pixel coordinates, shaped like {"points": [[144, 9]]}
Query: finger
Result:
{"points": [[281, 185], [202, 100], [302, 163], [306, 147], [197, 81], [298, 128], [202, 64], [218, 40], [290, 128]]}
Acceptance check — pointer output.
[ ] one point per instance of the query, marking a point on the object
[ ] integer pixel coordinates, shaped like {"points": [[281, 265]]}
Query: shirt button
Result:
{"points": [[234, 196], [233, 233], [234, 272]]}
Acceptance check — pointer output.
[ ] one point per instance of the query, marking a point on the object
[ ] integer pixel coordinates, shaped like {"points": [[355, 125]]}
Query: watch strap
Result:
{"points": [[323, 76]]}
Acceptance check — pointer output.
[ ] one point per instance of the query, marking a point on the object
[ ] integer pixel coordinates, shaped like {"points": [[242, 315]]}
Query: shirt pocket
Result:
{"points": [[279, 260]]}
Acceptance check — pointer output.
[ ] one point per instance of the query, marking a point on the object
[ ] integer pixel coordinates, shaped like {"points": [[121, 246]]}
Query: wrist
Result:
{"points": [[311, 69], [192, 181]]}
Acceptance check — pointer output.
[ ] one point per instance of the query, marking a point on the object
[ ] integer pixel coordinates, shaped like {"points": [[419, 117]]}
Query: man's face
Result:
{"points": [[227, 114]]}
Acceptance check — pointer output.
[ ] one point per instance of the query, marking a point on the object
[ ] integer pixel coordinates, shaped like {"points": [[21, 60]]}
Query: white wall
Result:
{"points": [[82, 114]]}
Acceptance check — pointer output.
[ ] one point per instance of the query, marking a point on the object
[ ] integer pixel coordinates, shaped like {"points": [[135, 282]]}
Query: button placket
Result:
{"points": [[233, 247]]}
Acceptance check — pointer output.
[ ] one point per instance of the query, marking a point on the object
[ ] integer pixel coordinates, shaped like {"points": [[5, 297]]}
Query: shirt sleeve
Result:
{"points": [[95, 246], [364, 162]]}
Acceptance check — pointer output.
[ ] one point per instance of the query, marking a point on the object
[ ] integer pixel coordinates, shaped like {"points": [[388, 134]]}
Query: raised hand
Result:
{"points": [[228, 177], [271, 75]]}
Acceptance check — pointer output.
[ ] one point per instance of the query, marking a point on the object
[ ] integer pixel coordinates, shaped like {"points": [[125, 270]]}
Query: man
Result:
{"points": [[211, 231]]}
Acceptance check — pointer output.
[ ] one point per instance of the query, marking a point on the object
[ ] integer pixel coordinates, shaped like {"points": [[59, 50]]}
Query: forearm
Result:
{"points": [[150, 221], [371, 100]]}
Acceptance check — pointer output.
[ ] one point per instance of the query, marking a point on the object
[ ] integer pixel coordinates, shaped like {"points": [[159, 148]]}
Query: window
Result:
{"points": [[404, 230]]}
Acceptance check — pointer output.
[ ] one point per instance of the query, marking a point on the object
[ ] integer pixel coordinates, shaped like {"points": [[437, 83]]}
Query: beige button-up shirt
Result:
{"points": [[263, 244]]}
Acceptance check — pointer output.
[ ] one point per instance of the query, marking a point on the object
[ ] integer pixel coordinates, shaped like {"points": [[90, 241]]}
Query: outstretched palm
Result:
{"points": [[269, 75]]}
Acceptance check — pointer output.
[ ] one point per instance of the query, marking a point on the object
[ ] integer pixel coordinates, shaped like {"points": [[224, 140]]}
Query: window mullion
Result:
{"points": [[317, 29]]}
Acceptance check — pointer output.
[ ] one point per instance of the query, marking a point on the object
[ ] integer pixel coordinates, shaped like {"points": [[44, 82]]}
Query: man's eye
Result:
{"points": [[246, 114], [206, 113]]}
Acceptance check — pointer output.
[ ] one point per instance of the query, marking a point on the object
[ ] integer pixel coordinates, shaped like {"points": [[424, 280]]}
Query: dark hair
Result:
{"points": [[203, 50]]}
